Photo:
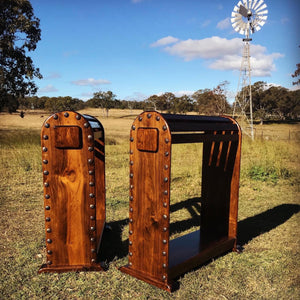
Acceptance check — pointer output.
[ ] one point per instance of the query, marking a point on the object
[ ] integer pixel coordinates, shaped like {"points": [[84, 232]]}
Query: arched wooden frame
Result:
{"points": [[152, 256], [74, 191]]}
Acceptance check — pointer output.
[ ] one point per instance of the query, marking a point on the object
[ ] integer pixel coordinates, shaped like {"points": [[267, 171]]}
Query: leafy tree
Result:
{"points": [[182, 104], [296, 74], [220, 100], [55, 104], [105, 100], [19, 34], [168, 101], [153, 102], [212, 102]]}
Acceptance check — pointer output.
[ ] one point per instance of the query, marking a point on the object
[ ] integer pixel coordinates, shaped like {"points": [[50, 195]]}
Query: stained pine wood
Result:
{"points": [[152, 256], [74, 191]]}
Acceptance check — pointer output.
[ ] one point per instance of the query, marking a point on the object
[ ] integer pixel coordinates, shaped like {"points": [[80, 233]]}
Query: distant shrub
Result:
{"points": [[268, 173]]}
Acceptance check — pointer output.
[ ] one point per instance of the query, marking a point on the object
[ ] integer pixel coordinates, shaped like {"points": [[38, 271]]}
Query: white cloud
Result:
{"points": [[90, 82], [48, 89], [224, 24], [136, 96], [182, 93], [165, 41], [207, 48], [223, 54]]}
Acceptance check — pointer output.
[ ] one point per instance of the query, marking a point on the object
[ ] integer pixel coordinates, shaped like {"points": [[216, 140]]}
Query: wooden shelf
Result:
{"points": [[186, 252]]}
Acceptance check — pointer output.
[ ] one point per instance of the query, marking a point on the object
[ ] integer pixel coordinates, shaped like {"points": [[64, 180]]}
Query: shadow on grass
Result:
{"points": [[112, 245], [264, 222]]}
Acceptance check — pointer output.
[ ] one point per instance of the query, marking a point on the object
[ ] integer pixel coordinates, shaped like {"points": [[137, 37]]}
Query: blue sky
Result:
{"points": [[137, 48]]}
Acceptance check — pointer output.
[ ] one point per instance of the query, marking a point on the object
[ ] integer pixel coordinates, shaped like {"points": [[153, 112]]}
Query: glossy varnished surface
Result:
{"points": [[74, 191], [152, 256]]}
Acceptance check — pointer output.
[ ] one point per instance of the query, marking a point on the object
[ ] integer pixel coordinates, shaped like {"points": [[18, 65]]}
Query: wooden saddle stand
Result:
{"points": [[152, 256], [74, 191]]}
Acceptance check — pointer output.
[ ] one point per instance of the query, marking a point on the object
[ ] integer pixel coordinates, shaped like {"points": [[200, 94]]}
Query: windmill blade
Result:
{"points": [[261, 23], [258, 4], [245, 2], [250, 4], [237, 7], [253, 4], [236, 18], [242, 25], [257, 28], [262, 18], [260, 8], [262, 12]]}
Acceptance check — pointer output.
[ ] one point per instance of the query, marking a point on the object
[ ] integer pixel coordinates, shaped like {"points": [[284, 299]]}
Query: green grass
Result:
{"points": [[269, 222]]}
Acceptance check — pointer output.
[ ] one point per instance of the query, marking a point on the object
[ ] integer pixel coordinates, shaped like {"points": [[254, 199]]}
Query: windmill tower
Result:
{"points": [[248, 16]]}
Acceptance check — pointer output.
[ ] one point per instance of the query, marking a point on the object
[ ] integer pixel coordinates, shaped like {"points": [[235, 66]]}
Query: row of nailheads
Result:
{"points": [[165, 201], [91, 194]]}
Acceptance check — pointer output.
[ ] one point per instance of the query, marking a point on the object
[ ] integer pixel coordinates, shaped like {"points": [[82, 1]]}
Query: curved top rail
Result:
{"points": [[200, 123]]}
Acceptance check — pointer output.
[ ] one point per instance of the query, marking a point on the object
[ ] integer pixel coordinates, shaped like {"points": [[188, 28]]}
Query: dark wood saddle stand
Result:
{"points": [[152, 256], [74, 191]]}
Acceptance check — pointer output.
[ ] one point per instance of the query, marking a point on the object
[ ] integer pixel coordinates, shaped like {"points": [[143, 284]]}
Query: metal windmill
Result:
{"points": [[248, 16]]}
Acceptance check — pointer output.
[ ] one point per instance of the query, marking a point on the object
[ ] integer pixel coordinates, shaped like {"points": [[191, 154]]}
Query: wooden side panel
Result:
{"points": [[219, 161], [70, 194], [150, 156], [99, 148]]}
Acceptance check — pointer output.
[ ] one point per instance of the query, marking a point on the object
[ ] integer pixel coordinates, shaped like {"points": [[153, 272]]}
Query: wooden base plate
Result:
{"points": [[60, 269]]}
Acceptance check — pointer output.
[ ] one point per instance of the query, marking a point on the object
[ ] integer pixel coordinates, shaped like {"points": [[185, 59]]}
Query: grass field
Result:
{"points": [[269, 218]]}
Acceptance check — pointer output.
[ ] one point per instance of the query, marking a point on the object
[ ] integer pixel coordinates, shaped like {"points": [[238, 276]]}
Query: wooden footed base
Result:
{"points": [[185, 254], [167, 285], [60, 269]]}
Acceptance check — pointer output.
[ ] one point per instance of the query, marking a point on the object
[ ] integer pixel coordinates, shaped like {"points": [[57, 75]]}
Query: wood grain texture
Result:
{"points": [[74, 192], [152, 256]]}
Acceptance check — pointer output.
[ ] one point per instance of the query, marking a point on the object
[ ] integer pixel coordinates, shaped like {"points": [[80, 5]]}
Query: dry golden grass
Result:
{"points": [[268, 219]]}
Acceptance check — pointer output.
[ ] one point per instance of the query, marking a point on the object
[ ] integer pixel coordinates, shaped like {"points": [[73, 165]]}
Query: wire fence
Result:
{"points": [[272, 134]]}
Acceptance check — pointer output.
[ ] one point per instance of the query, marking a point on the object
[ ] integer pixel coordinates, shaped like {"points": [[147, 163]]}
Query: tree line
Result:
{"points": [[273, 102]]}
